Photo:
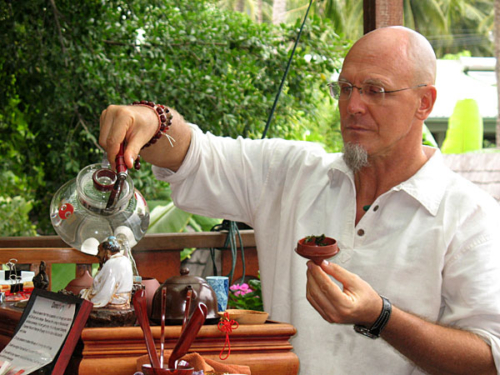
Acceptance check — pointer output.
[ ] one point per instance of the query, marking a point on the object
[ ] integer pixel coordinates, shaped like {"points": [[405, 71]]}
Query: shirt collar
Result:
{"points": [[427, 186], [338, 165]]}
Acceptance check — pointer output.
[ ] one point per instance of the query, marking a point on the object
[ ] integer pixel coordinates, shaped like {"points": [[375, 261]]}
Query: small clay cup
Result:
{"points": [[315, 252]]}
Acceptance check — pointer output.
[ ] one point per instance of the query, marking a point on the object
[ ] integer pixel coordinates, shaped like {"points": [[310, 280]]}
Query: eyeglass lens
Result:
{"points": [[369, 92]]}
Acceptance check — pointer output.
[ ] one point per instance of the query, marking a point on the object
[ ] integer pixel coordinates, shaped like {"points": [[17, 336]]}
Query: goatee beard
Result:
{"points": [[355, 156]]}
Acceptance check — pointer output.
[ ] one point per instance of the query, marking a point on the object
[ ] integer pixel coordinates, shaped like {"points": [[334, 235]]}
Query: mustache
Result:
{"points": [[355, 122]]}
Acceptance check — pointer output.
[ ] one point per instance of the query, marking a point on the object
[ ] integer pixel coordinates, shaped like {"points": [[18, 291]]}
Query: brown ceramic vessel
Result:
{"points": [[176, 299], [83, 282], [317, 253], [150, 285]]}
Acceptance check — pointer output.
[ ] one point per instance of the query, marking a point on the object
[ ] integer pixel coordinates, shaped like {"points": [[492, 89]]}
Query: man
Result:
{"points": [[408, 229]]}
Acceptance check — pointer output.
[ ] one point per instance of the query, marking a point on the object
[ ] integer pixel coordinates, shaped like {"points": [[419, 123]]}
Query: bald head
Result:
{"points": [[409, 51]]}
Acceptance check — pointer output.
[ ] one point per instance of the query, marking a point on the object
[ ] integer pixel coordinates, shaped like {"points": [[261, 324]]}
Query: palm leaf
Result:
{"points": [[168, 219]]}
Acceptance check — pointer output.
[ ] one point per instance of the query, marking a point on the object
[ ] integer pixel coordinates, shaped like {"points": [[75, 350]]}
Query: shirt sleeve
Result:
{"points": [[226, 178], [471, 290]]}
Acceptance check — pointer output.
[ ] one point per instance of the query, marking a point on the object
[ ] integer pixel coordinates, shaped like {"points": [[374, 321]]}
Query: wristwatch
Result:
{"points": [[378, 326]]}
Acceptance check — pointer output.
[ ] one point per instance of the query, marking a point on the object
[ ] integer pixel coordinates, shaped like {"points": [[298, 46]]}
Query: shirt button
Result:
{"points": [[375, 208], [361, 232]]}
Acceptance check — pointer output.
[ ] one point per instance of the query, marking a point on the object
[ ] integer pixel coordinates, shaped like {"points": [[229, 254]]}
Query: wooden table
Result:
{"points": [[265, 347], [9, 317]]}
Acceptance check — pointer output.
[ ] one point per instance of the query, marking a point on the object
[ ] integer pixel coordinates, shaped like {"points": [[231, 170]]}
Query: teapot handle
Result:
{"points": [[120, 160], [121, 170]]}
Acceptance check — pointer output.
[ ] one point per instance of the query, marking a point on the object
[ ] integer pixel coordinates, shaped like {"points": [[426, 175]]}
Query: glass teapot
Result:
{"points": [[97, 204]]}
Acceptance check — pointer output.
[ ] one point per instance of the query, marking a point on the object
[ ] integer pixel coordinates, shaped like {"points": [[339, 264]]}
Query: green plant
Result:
{"points": [[246, 296], [63, 63], [315, 240], [166, 218], [14, 220]]}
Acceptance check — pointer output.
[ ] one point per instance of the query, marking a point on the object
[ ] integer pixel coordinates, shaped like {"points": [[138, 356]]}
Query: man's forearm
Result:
{"points": [[438, 349]]}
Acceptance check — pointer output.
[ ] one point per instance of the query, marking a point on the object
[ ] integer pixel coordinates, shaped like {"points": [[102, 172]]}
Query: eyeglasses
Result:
{"points": [[370, 93]]}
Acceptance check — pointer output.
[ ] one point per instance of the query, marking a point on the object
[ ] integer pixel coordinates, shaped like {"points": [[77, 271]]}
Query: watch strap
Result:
{"points": [[380, 323]]}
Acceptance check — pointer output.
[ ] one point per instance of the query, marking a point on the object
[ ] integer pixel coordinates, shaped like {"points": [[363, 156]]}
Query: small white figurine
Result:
{"points": [[112, 286]]}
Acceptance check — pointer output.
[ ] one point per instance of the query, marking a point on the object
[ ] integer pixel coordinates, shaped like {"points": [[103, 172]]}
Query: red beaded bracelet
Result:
{"points": [[164, 119], [164, 122]]}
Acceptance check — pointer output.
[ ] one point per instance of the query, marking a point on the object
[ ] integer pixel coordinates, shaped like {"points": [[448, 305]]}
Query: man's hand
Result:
{"points": [[434, 348], [135, 126], [357, 303]]}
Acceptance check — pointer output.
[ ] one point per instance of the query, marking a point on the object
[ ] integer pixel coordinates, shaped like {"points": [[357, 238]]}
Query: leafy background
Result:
{"points": [[63, 63]]}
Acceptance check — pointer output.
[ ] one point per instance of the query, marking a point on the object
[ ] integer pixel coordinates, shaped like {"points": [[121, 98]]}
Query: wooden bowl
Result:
{"points": [[246, 316], [315, 252]]}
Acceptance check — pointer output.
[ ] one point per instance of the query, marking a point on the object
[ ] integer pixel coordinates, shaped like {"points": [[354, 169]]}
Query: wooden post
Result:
{"points": [[382, 13]]}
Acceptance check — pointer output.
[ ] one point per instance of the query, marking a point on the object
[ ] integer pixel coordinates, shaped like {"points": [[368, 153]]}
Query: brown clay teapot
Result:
{"points": [[178, 288]]}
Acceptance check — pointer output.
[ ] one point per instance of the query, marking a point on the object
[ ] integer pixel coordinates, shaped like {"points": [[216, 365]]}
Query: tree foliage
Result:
{"points": [[64, 62], [451, 26]]}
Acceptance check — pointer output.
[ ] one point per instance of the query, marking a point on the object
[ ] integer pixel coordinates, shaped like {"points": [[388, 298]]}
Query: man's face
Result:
{"points": [[386, 128], [102, 254]]}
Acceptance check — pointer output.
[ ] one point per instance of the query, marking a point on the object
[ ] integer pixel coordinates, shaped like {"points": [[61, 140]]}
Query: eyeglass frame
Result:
{"points": [[360, 89]]}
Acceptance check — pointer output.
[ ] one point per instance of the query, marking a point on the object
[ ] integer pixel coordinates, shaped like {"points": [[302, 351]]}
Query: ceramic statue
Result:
{"points": [[112, 286]]}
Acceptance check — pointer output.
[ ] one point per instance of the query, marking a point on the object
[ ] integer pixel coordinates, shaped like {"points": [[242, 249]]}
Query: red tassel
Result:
{"points": [[226, 325]]}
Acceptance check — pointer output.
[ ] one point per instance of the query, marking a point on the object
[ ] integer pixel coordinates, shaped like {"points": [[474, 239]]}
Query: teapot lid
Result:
{"points": [[94, 184], [185, 278]]}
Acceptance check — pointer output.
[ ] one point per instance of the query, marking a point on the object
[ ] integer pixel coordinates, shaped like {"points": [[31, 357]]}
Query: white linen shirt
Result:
{"points": [[430, 244]]}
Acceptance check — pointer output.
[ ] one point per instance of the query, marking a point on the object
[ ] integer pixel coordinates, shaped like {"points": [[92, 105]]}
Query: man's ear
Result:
{"points": [[427, 101]]}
